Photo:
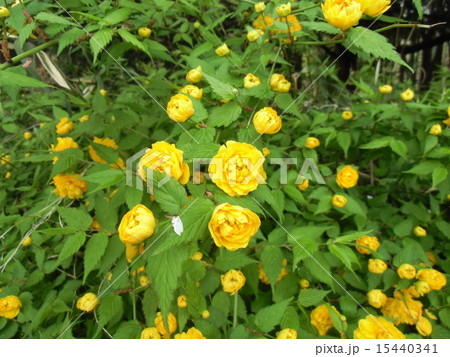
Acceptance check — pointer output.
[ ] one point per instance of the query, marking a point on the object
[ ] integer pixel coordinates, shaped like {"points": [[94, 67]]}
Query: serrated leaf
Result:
{"points": [[95, 248], [311, 297], [53, 19], [399, 148], [71, 246], [133, 196], [68, 38], [25, 33], [418, 5], [232, 260], [268, 317], [439, 175], [75, 217], [272, 262], [424, 168], [8, 78], [224, 115], [345, 254], [377, 143], [107, 153], [105, 178], [110, 309], [336, 319], [171, 196], [222, 89], [130, 38], [100, 40], [116, 16], [344, 140], [320, 27], [263, 91]]}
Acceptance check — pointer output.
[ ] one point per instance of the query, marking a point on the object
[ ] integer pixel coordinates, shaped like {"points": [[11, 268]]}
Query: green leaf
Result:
{"points": [[224, 115], [345, 254], [100, 40], [311, 297], [171, 196], [128, 37], [399, 148], [351, 237], [320, 27], [424, 168], [75, 217], [68, 38], [268, 317], [222, 89], [110, 310], [67, 159], [116, 16], [71, 246], [243, 201], [53, 19], [372, 43], [378, 143], [344, 140], [335, 318], [439, 175], [12, 79], [25, 33], [95, 248], [127, 330], [418, 5], [272, 262], [232, 260], [105, 178], [133, 196], [107, 153]]}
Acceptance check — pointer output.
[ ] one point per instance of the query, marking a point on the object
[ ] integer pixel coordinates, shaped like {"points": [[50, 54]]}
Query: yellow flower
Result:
{"points": [[5, 160], [434, 278], [377, 266], [419, 231], [436, 129], [406, 271], [321, 319], [264, 278], [232, 281], [237, 168], [4, 12], [191, 334], [304, 284], [407, 95], [222, 50], [304, 185], [69, 186], [347, 115], [233, 226], [422, 288], [274, 79], [374, 8], [172, 322], [65, 126], [251, 81], [373, 327], [27, 135], [84, 118], [108, 143], [182, 301], [260, 7], [63, 144], [194, 75], [205, 314], [347, 177], [369, 242], [339, 201], [150, 333], [342, 14], [197, 256], [404, 309], [267, 121], [137, 225], [287, 334], [376, 298], [447, 121], [87, 302], [278, 83], [144, 32], [284, 9], [164, 157], [193, 91], [197, 25], [385, 89], [8, 175], [180, 108], [253, 35], [312, 142], [103, 92], [27, 241], [131, 251], [144, 280], [424, 326], [10, 306], [266, 152]]}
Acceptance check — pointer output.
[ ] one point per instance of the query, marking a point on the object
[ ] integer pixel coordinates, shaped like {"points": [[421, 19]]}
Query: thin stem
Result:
{"points": [[306, 8], [133, 297], [420, 26], [235, 309], [28, 53]]}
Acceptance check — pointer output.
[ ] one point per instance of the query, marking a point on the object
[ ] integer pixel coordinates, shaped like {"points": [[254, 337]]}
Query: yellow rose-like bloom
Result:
{"points": [[144, 32], [424, 326], [342, 14], [304, 284], [144, 280], [193, 91], [180, 108], [373, 327], [232, 281], [321, 319], [422, 288], [339, 201], [436, 129], [407, 95], [233, 226], [10, 306], [137, 225], [27, 241], [419, 231], [253, 35], [237, 168], [150, 333], [251, 81], [191, 334], [164, 157], [369, 242], [197, 256], [69, 186], [374, 8], [403, 309], [385, 89], [312, 143], [63, 144], [172, 322], [222, 50], [65, 126], [205, 314], [284, 9], [304, 185], [27, 135], [194, 75], [260, 7], [4, 12], [267, 121], [278, 83], [274, 79], [87, 302], [263, 277], [347, 115], [435, 279], [347, 177], [182, 301], [376, 298], [406, 271], [287, 334], [377, 266]]}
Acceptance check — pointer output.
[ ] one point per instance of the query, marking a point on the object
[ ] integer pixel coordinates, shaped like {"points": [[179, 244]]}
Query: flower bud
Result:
{"points": [[144, 32], [339, 201], [27, 135], [386, 89], [222, 50], [407, 95], [312, 143], [284, 10], [4, 12], [27, 241], [253, 35], [436, 129], [406, 271], [260, 7], [347, 115], [419, 231], [195, 75]]}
